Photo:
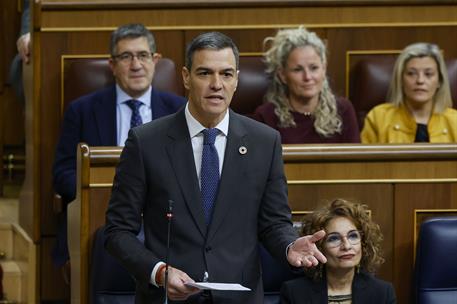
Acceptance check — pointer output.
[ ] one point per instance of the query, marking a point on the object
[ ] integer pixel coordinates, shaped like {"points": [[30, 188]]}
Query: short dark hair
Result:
{"points": [[211, 40], [131, 31]]}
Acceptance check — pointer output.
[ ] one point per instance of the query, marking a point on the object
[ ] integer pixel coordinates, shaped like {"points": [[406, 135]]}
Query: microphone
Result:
{"points": [[167, 256]]}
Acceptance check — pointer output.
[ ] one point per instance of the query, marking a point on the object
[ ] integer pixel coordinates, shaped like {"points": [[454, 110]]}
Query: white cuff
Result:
{"points": [[154, 272], [287, 248]]}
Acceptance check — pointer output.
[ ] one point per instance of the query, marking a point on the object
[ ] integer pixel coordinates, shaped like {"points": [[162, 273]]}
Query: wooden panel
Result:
{"points": [[52, 285], [373, 171], [409, 197], [247, 17], [99, 203], [10, 108], [235, 3]]}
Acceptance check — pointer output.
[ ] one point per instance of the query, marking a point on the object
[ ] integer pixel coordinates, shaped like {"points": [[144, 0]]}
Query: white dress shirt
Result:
{"points": [[124, 112]]}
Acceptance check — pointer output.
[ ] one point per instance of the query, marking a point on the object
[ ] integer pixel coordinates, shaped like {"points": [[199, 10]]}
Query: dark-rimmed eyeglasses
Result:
{"points": [[127, 57], [335, 239]]}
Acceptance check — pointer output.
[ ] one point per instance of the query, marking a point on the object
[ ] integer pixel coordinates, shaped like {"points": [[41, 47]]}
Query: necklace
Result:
{"points": [[340, 298], [305, 113]]}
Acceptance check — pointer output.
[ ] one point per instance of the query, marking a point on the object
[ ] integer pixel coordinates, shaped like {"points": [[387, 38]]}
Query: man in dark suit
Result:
{"points": [[218, 220], [104, 117]]}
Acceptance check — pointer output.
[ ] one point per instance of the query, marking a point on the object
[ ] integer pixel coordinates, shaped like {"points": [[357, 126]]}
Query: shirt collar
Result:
{"points": [[122, 96], [195, 127]]}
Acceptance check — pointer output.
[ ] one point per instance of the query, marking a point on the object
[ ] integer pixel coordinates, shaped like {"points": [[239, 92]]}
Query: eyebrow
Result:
{"points": [[340, 233], [205, 69]]}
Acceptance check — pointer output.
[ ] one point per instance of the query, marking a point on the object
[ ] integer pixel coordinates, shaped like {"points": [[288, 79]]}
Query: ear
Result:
{"points": [[186, 78], [237, 78], [111, 64], [156, 57]]}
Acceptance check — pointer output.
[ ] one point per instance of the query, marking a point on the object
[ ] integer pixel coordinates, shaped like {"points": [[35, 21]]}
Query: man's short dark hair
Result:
{"points": [[213, 41], [131, 31]]}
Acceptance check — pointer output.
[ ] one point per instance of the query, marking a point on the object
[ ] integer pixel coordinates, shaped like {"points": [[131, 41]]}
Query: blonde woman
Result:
{"points": [[299, 102], [419, 101]]}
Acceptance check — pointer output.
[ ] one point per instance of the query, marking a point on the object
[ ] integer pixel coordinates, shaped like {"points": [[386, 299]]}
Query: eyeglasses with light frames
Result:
{"points": [[127, 57], [335, 239]]}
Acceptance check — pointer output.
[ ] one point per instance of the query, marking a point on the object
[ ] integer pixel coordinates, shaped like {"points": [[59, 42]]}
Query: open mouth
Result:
{"points": [[215, 98]]}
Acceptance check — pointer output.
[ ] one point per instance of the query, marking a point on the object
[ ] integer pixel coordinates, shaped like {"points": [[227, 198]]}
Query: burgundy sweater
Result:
{"points": [[304, 132]]}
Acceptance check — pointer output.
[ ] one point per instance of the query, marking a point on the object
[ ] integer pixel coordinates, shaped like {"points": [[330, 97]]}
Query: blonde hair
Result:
{"points": [[442, 98], [327, 121]]}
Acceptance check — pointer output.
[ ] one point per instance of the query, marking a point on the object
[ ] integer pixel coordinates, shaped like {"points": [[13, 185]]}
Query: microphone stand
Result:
{"points": [[167, 256]]}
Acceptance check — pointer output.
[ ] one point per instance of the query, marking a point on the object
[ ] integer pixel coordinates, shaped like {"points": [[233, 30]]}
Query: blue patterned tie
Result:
{"points": [[135, 105], [209, 172]]}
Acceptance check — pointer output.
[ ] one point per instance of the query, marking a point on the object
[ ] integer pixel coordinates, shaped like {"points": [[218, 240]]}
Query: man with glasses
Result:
{"points": [[105, 117]]}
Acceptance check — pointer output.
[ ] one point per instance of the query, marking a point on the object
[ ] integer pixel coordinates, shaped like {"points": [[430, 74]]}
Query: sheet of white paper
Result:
{"points": [[218, 286]]}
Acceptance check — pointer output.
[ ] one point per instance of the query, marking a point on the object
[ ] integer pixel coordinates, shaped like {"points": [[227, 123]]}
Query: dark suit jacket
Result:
{"points": [[92, 119], [365, 289], [157, 164]]}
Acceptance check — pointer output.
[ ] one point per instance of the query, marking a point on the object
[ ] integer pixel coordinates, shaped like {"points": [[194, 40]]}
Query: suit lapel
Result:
{"points": [[232, 173], [360, 292], [105, 118], [320, 292], [157, 106], [182, 160]]}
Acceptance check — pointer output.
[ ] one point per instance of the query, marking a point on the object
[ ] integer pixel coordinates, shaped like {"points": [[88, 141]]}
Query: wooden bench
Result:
{"points": [[402, 185]]}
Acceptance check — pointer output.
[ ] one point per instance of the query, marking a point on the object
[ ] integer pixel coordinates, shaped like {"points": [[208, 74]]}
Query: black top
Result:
{"points": [[365, 289], [421, 133]]}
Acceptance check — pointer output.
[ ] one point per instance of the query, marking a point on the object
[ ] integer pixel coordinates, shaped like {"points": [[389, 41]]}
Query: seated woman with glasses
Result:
{"points": [[352, 247], [299, 102], [419, 107]]}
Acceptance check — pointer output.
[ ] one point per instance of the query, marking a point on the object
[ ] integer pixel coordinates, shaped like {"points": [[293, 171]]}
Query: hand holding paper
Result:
{"points": [[178, 290]]}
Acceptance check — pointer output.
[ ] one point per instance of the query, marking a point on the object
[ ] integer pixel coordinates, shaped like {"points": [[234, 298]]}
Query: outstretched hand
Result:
{"points": [[304, 252]]}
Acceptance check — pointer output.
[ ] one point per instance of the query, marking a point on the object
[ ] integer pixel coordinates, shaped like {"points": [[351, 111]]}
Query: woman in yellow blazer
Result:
{"points": [[419, 107]]}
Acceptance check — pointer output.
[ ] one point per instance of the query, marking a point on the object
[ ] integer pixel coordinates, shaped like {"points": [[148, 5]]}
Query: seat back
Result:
{"points": [[369, 80], [436, 267], [84, 75], [252, 85], [110, 283], [273, 275]]}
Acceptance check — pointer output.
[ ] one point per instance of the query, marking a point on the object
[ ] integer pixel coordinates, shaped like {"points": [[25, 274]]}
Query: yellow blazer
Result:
{"points": [[387, 123]]}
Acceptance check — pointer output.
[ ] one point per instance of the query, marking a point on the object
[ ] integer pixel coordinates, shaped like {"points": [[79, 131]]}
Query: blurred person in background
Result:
{"points": [[299, 102], [419, 107]]}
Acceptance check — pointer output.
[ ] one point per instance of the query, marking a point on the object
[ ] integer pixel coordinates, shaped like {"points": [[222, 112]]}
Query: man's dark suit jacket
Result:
{"points": [[365, 289], [92, 119], [157, 165]]}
